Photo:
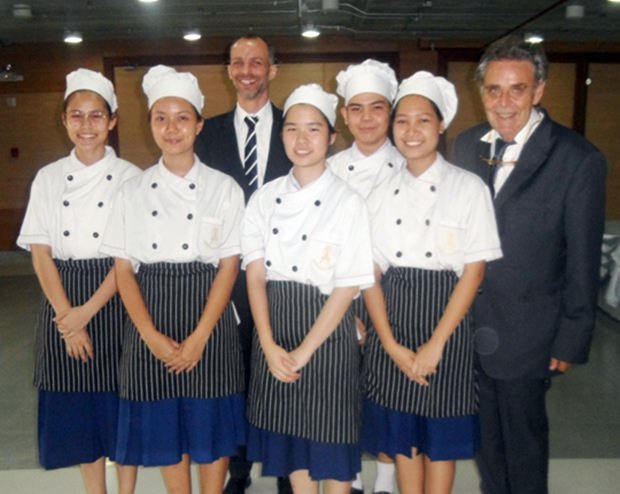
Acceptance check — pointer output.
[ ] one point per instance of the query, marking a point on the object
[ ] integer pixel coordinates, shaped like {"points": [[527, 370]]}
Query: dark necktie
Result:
{"points": [[250, 154], [495, 162]]}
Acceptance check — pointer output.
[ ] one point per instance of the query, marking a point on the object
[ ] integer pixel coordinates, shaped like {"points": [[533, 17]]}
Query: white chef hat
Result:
{"points": [[89, 80], [369, 76], [439, 90], [162, 81], [313, 94]]}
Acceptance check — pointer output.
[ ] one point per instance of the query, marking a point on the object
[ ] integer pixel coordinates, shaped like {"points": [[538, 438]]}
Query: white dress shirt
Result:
{"points": [[317, 234], [263, 135], [364, 173], [513, 151], [70, 204], [440, 220], [162, 217]]}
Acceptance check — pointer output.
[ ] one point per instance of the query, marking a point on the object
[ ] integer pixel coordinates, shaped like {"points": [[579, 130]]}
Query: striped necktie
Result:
{"points": [[250, 154], [496, 161]]}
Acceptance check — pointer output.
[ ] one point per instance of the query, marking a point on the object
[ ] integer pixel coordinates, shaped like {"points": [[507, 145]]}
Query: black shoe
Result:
{"points": [[237, 485], [284, 486], [355, 490]]}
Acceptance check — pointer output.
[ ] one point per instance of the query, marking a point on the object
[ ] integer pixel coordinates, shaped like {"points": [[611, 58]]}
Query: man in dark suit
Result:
{"points": [[225, 143], [536, 308]]}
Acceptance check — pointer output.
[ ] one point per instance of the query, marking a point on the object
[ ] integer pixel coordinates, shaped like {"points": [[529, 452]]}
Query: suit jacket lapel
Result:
{"points": [[532, 156]]}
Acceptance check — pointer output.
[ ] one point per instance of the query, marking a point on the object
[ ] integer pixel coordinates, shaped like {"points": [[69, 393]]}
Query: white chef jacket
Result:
{"points": [[439, 221], [70, 204], [161, 217], [364, 173], [317, 234]]}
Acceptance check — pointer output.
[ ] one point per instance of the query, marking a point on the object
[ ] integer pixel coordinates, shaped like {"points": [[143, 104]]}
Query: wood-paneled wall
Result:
{"points": [[33, 129]]}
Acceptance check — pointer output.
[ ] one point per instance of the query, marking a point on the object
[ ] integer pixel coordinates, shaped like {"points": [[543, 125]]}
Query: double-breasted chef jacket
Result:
{"points": [[70, 203], [365, 173], [317, 234], [162, 217], [440, 220]]}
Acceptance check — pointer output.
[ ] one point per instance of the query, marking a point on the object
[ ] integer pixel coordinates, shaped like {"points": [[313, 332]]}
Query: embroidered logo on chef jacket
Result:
{"points": [[324, 252], [211, 232], [449, 239]]}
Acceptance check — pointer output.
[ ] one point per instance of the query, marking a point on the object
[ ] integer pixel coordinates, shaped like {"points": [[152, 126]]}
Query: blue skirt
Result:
{"points": [[76, 427], [282, 454], [393, 432], [158, 433]]}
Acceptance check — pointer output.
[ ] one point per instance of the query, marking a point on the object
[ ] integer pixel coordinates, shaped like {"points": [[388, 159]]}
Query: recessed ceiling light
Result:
{"points": [[534, 38], [73, 38], [310, 31], [22, 11], [148, 1], [193, 35]]}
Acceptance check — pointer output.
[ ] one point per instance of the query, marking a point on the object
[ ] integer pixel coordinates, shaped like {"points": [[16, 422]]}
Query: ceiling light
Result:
{"points": [[22, 11], [330, 4], [310, 31], [193, 35], [148, 1], [575, 11], [614, 1], [534, 38], [73, 38]]}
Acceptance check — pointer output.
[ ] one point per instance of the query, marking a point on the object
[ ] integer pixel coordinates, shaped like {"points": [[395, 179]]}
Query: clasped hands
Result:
{"points": [[417, 366], [177, 357], [286, 366]]}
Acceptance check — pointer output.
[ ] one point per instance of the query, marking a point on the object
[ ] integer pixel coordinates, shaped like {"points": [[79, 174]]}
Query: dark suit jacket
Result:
{"points": [[216, 146], [539, 300]]}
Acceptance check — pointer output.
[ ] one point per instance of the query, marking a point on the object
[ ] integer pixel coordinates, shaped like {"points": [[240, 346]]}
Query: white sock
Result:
{"points": [[357, 483], [385, 477]]}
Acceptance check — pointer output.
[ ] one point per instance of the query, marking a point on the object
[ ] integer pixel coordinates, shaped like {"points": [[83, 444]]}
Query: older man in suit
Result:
{"points": [[246, 144], [535, 311]]}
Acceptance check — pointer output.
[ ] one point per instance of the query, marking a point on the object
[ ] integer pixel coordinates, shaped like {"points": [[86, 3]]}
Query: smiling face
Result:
{"points": [[509, 92], [368, 117], [88, 122], [175, 125], [250, 71], [306, 137], [416, 131]]}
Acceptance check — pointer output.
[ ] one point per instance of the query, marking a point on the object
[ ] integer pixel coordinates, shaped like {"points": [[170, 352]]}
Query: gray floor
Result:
{"points": [[584, 407]]}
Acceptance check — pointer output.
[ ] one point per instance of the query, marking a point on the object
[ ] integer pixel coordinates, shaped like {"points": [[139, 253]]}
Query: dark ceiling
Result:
{"points": [[431, 20]]}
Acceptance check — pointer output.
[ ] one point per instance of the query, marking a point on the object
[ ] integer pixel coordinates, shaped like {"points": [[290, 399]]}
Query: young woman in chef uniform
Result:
{"points": [[79, 333], [433, 229], [306, 249], [175, 234]]}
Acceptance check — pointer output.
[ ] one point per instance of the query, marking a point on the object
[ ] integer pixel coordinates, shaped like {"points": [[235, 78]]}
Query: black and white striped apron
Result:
{"points": [[54, 369], [175, 295], [324, 404], [416, 299]]}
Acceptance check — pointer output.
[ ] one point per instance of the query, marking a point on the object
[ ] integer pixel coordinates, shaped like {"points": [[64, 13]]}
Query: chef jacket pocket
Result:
{"points": [[210, 233], [324, 252], [450, 238]]}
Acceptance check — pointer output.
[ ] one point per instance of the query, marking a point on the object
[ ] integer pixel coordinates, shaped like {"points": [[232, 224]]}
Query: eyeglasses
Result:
{"points": [[515, 92], [77, 118]]}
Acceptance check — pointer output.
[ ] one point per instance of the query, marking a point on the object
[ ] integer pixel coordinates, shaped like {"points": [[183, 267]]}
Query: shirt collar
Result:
{"points": [[264, 114], [536, 116], [433, 175]]}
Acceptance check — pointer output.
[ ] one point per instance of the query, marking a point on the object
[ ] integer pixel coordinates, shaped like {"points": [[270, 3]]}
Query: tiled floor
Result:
{"points": [[584, 407]]}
